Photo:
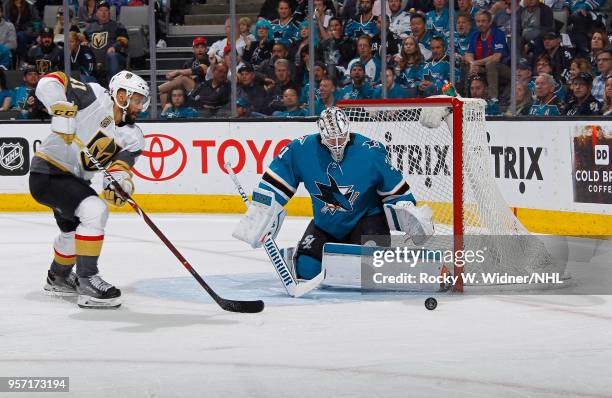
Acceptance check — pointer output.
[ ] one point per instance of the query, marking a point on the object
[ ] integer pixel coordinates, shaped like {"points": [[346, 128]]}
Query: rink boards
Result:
{"points": [[556, 175]]}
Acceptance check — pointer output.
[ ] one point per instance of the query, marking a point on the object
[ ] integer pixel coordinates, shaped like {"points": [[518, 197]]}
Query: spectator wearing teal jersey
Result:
{"points": [[291, 104], [327, 98], [394, 88], [479, 89], [546, 103], [6, 96], [176, 108]]}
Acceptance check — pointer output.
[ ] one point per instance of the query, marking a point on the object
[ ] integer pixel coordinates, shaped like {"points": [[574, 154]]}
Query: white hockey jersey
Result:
{"points": [[95, 127]]}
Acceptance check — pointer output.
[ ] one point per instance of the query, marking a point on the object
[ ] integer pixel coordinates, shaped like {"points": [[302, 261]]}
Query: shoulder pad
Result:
{"points": [[130, 138]]}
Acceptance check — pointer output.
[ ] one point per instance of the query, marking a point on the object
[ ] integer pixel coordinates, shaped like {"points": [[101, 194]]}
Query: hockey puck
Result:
{"points": [[431, 303]]}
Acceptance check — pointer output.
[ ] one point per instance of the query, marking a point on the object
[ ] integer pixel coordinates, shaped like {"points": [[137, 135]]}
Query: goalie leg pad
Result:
{"points": [[264, 217], [415, 221]]}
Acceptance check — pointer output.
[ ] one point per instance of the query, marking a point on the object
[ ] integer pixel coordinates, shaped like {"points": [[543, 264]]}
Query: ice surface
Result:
{"points": [[169, 339]]}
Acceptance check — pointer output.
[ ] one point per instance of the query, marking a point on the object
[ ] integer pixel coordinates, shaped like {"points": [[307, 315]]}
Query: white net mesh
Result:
{"points": [[425, 155]]}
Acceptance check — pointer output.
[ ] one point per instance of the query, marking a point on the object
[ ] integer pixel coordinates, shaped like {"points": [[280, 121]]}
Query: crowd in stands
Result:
{"points": [[565, 67]]}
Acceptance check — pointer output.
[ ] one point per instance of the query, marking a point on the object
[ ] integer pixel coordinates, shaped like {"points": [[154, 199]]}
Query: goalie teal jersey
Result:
{"points": [[342, 193]]}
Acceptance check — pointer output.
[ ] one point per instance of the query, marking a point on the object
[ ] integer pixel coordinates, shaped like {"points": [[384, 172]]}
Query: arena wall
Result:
{"points": [[556, 175]]}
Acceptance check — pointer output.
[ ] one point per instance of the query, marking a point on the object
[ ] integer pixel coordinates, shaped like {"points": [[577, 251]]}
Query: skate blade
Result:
{"points": [[95, 303], [58, 291]]}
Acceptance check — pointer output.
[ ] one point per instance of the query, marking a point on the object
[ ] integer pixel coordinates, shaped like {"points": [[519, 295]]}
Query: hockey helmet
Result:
{"points": [[131, 83], [334, 129]]}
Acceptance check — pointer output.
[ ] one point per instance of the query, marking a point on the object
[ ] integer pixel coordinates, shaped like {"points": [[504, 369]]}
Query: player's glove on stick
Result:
{"points": [[264, 217], [414, 221], [122, 174]]}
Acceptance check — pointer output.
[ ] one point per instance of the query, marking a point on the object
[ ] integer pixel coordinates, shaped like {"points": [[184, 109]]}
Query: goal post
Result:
{"points": [[448, 167]]}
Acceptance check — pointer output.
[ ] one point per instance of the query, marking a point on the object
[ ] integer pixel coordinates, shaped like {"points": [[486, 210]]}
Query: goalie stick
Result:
{"points": [[226, 304], [292, 286]]}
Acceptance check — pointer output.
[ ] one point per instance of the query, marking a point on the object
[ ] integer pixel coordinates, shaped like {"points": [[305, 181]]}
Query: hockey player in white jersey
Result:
{"points": [[85, 115]]}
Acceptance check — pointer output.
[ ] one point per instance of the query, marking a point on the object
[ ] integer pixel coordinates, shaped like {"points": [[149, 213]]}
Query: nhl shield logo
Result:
{"points": [[99, 40], [14, 156]]}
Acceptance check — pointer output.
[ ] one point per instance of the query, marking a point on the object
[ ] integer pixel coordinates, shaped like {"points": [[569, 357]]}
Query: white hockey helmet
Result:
{"points": [[131, 83], [334, 128]]}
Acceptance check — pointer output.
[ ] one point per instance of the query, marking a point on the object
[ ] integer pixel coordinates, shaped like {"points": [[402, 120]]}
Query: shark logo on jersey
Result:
{"points": [[335, 197], [372, 144]]}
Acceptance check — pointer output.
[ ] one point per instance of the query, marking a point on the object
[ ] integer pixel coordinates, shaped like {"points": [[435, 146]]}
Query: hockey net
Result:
{"points": [[448, 168]]}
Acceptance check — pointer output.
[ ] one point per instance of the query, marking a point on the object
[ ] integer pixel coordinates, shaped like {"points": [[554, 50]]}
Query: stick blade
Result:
{"points": [[246, 307]]}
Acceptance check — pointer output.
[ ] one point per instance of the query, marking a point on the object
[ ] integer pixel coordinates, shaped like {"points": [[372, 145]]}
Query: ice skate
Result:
{"points": [[95, 292], [61, 285]]}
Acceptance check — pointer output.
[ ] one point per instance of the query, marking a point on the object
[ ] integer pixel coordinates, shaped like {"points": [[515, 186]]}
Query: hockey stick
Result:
{"points": [[226, 304], [293, 288]]}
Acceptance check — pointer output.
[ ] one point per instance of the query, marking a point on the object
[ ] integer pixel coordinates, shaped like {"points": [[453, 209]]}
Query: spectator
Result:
{"points": [[422, 35], [24, 95], [437, 19], [176, 108], [6, 96], [22, 14], [192, 74], [502, 12], [210, 96], [364, 23], [582, 102], [546, 102], [394, 89], [276, 87], [544, 65], [488, 52], [244, 33], [87, 12], [243, 109], [523, 99], [399, 23], [607, 105], [82, 59], [580, 21], [561, 57], [420, 6], [435, 72], [47, 56], [302, 42], [323, 14], [348, 9], [463, 31], [319, 74], [269, 9], [58, 29], [218, 48], [279, 51], [285, 28], [327, 98], [259, 51], [535, 19], [466, 7], [524, 74], [393, 42], [109, 41], [8, 40], [410, 64], [604, 65], [359, 88], [337, 50], [479, 89], [290, 105], [302, 70], [370, 63], [579, 65], [599, 42], [252, 89]]}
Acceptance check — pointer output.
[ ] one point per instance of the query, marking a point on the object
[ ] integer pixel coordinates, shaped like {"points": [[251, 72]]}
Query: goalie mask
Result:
{"points": [[131, 83], [333, 127]]}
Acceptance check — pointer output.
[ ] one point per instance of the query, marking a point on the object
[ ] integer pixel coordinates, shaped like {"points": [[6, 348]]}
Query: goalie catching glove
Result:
{"points": [[264, 217], [433, 116], [414, 221], [122, 174]]}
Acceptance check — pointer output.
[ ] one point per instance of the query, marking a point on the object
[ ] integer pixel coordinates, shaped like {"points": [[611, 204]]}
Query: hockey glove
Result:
{"points": [[414, 221], [63, 120], [122, 174], [264, 217]]}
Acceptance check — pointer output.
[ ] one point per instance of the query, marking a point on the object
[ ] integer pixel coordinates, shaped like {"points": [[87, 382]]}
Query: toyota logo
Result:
{"points": [[167, 158]]}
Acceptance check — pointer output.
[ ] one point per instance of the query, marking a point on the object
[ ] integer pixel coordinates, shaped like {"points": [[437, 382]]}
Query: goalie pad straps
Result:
{"points": [[63, 120], [264, 216], [414, 221]]}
